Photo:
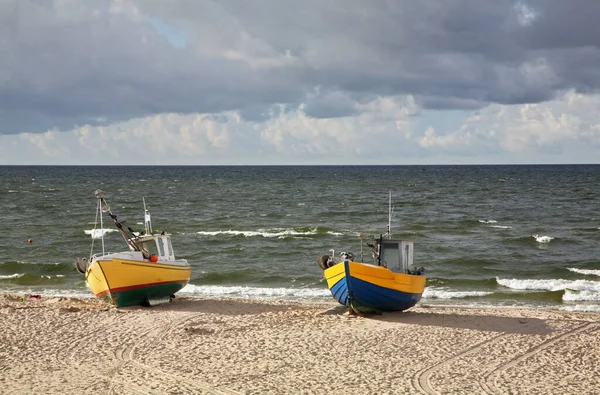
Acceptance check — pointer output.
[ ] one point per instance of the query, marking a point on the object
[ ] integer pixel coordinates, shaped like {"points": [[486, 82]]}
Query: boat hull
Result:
{"points": [[127, 283], [355, 283]]}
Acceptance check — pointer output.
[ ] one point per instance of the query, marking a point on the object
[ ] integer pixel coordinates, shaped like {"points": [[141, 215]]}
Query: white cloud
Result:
{"points": [[526, 15], [360, 137], [384, 130], [566, 127], [45, 143], [380, 130]]}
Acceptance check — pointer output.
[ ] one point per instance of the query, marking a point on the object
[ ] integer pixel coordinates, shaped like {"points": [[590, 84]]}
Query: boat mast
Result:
{"points": [[100, 195], [147, 221]]}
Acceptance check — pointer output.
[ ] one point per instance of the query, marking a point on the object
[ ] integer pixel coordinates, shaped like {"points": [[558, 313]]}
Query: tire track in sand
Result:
{"points": [[123, 353], [93, 339], [155, 336], [420, 380], [489, 381]]}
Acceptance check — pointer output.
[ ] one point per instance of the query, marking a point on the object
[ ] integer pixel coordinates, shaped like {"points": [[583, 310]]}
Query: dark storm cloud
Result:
{"points": [[87, 62]]}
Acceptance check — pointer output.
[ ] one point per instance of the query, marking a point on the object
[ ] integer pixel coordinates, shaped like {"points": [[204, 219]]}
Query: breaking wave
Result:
{"points": [[98, 233], [257, 293], [279, 233], [543, 239], [446, 294], [550, 285], [593, 272]]}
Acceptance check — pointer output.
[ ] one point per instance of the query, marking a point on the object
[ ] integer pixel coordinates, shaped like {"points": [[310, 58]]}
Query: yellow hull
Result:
{"points": [[373, 286], [127, 282], [377, 275]]}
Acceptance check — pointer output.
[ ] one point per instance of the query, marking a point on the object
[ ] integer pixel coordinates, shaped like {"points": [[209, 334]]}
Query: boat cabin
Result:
{"points": [[395, 254], [159, 245]]}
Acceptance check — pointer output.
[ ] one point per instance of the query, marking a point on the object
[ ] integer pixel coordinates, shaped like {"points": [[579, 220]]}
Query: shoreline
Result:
{"points": [[232, 346]]}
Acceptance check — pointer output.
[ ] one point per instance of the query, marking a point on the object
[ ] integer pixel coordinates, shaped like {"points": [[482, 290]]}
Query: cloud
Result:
{"points": [[159, 139], [65, 64], [565, 129], [377, 131], [384, 130]]}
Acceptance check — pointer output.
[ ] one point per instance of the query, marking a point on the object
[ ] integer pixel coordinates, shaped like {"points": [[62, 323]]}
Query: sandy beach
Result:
{"points": [[198, 346]]}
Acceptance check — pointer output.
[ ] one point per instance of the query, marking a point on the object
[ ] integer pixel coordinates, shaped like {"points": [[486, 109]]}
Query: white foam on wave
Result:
{"points": [[593, 272], [488, 221], [280, 233], [331, 232], [46, 263], [501, 226], [98, 233], [7, 276], [257, 293], [446, 294], [549, 284], [543, 239], [581, 296]]}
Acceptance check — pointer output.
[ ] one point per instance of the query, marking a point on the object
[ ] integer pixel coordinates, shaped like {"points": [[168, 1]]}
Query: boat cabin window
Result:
{"points": [[151, 248], [165, 248], [397, 255], [161, 246], [171, 252], [390, 255]]}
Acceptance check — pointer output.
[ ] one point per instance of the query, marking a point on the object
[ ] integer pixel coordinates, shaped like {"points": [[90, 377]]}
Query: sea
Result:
{"points": [[487, 236]]}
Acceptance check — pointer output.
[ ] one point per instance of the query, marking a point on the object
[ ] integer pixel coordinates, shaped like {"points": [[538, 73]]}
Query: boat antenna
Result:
{"points": [[390, 211], [147, 221]]}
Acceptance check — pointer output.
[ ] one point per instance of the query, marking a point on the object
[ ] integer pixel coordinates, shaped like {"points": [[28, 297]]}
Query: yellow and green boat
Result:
{"points": [[146, 274]]}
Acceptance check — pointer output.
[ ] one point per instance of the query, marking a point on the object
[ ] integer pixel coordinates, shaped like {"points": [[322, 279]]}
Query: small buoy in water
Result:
{"points": [[154, 258], [30, 240]]}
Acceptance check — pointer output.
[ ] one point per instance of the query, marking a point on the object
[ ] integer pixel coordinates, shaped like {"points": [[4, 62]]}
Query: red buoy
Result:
{"points": [[30, 240], [154, 258]]}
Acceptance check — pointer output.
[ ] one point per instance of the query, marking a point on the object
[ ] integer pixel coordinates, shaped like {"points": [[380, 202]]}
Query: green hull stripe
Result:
{"points": [[140, 296]]}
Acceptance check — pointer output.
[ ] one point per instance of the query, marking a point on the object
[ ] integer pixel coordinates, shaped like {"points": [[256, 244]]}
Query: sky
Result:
{"points": [[311, 82]]}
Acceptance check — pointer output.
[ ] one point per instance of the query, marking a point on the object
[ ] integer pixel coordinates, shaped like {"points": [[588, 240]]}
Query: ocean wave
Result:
{"points": [[593, 272], [8, 276], [488, 221], [258, 293], [333, 233], [581, 296], [550, 285], [446, 294], [98, 233], [280, 233], [501, 226], [543, 239]]}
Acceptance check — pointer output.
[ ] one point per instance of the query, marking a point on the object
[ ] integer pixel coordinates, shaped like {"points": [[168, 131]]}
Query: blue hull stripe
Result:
{"points": [[371, 295], [381, 298], [340, 291]]}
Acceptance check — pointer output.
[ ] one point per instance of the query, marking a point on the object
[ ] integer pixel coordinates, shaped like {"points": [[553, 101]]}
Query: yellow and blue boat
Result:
{"points": [[147, 273], [390, 283]]}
